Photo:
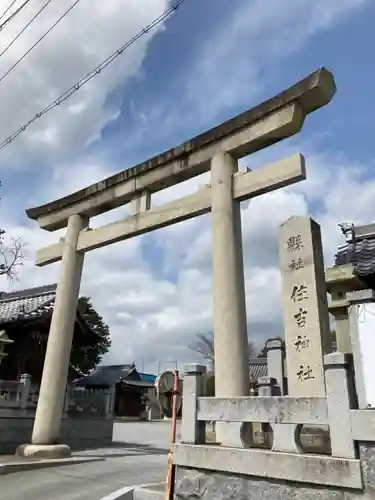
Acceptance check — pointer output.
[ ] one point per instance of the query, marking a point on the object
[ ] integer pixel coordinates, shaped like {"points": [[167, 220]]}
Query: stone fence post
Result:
{"points": [[340, 397], [192, 431], [275, 364], [267, 386], [284, 435], [357, 300], [25, 382]]}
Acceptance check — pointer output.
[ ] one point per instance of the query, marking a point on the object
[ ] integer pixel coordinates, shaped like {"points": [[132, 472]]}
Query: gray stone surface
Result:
{"points": [[197, 485], [276, 363], [306, 320], [292, 467], [339, 398], [50, 451], [193, 431], [52, 389], [194, 484], [367, 454]]}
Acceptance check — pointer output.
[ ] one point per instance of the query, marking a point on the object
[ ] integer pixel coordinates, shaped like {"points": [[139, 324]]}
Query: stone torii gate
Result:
{"points": [[217, 150]]}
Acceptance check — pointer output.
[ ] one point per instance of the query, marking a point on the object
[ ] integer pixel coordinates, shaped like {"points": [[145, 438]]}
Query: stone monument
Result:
{"points": [[306, 320]]}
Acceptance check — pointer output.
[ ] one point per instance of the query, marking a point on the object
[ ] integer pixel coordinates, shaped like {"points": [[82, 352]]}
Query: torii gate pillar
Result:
{"points": [[44, 441], [228, 288], [229, 303]]}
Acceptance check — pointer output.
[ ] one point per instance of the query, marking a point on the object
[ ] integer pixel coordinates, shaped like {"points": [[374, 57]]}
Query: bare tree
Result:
{"points": [[204, 346], [11, 255]]}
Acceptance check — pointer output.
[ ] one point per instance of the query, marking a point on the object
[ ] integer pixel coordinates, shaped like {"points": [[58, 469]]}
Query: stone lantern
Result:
{"points": [[4, 341]]}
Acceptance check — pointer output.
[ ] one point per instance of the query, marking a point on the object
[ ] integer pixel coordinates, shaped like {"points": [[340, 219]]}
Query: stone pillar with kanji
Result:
{"points": [[306, 320]]}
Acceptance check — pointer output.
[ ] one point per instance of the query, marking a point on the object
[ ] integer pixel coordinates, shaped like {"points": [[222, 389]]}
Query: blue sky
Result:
{"points": [[212, 60], [345, 49]]}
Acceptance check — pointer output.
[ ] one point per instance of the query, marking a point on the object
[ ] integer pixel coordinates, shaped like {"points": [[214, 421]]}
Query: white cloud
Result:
{"points": [[257, 34], [155, 317], [240, 59], [91, 32]]}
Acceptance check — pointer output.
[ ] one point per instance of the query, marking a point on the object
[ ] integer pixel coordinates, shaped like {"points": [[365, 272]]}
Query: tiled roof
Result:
{"points": [[257, 368], [30, 303], [359, 249], [106, 376], [361, 254], [138, 383]]}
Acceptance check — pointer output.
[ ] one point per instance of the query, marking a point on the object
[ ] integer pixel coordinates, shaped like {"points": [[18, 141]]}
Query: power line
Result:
{"points": [[93, 73], [14, 14], [25, 28], [7, 9], [39, 40]]}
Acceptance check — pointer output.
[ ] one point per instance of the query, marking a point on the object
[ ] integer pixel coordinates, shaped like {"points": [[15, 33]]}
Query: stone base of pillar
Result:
{"points": [[48, 451]]}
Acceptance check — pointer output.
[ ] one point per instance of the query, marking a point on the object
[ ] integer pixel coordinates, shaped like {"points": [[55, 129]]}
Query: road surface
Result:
{"points": [[139, 457]]}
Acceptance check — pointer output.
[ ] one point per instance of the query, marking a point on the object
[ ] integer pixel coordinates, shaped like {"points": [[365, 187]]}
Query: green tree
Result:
{"points": [[86, 356]]}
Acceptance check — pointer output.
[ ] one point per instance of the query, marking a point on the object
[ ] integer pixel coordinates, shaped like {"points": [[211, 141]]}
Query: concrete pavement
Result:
{"points": [[155, 434], [139, 457], [9, 464]]}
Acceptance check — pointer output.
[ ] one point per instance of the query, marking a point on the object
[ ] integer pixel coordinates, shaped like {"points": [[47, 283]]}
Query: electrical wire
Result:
{"points": [[7, 9], [12, 68], [93, 73], [14, 14], [25, 27]]}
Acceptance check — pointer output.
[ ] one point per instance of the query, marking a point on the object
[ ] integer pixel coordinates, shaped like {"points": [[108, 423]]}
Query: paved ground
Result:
{"points": [[144, 433], [139, 457]]}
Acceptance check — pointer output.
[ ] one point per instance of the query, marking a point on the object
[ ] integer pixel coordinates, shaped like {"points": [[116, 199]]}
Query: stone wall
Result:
{"points": [[244, 471], [195, 484], [78, 433], [199, 485], [14, 431]]}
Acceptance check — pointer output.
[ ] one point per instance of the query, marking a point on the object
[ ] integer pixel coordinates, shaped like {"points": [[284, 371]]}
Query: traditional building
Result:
{"points": [[25, 315], [129, 386], [148, 377], [353, 269], [257, 368], [358, 251]]}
